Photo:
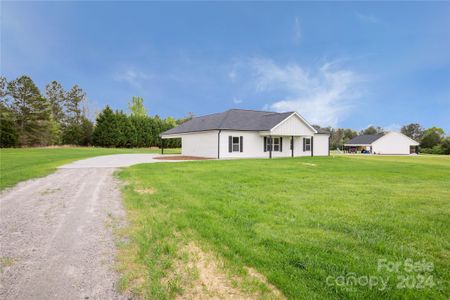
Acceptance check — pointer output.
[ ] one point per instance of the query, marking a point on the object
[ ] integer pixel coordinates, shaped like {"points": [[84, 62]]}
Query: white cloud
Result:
{"points": [[131, 76], [367, 18], [297, 31], [232, 75], [323, 97], [237, 100]]}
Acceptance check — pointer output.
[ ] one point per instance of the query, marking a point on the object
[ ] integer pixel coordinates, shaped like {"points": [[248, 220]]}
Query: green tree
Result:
{"points": [[106, 131], [87, 130], [372, 130], [73, 131], [336, 138], [413, 130], [74, 101], [167, 124], [137, 108], [4, 92], [144, 130], [56, 97], [127, 137], [348, 135], [55, 133], [71, 134], [432, 137], [31, 112], [8, 134], [157, 128], [445, 146]]}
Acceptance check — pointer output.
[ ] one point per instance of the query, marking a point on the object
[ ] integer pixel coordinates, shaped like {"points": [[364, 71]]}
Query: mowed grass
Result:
{"points": [[18, 164], [301, 222]]}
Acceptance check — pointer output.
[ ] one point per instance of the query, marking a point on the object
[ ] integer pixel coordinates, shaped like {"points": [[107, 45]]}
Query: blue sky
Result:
{"points": [[346, 64]]}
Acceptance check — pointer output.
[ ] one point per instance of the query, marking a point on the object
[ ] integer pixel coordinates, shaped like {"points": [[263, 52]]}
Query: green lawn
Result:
{"points": [[21, 164], [301, 222]]}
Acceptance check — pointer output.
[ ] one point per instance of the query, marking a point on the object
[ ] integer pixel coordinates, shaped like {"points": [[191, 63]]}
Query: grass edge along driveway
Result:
{"points": [[300, 222], [19, 164]]}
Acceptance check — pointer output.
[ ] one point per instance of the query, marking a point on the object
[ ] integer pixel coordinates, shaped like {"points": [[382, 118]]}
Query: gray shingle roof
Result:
{"points": [[233, 119], [365, 139], [322, 131]]}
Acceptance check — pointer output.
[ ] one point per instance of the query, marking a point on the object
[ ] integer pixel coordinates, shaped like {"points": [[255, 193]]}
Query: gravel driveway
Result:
{"points": [[55, 232]]}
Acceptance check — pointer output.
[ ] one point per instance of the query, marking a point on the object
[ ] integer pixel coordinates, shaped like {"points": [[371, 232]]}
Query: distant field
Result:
{"points": [[315, 227], [21, 164]]}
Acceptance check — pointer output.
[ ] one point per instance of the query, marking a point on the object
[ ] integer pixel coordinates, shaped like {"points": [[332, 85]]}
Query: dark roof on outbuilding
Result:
{"points": [[233, 119], [322, 131], [365, 139]]}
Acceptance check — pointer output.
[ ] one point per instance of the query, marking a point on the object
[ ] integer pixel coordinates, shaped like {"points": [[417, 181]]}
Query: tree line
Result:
{"points": [[59, 117], [117, 129], [432, 140]]}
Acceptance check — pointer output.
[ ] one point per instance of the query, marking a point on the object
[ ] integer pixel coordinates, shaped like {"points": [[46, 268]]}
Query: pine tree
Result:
{"points": [[31, 112], [74, 100], [106, 130], [87, 129], [56, 96], [8, 134]]}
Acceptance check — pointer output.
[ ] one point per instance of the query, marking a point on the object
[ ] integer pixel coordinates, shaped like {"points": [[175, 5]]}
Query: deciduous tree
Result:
{"points": [[413, 130], [432, 137], [137, 108]]}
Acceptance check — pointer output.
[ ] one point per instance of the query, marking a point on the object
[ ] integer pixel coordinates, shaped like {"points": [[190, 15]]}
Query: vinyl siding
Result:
{"points": [[321, 144], [392, 143], [202, 144], [292, 126]]}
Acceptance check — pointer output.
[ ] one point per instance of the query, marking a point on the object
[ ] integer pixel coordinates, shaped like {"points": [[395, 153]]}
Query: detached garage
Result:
{"points": [[393, 143]]}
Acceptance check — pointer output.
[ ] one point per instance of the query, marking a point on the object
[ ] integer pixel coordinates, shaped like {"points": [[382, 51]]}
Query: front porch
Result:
{"points": [[299, 145]]}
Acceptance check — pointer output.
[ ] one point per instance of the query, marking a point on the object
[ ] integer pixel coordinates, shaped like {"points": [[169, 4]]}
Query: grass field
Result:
{"points": [[21, 164], [315, 227]]}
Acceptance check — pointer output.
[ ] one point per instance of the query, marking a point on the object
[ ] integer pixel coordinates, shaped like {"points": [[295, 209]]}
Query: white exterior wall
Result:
{"points": [[254, 146], [292, 126], [205, 143], [202, 144], [321, 144], [393, 143]]}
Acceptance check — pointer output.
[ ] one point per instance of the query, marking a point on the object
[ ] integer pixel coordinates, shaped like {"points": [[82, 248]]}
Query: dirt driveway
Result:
{"points": [[55, 232]]}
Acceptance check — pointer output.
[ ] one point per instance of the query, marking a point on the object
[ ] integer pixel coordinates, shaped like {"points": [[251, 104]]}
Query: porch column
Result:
{"points": [[270, 147], [292, 144]]}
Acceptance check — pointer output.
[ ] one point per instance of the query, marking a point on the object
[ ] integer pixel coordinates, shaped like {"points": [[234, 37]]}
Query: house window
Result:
{"points": [[276, 143], [306, 144], [236, 144]]}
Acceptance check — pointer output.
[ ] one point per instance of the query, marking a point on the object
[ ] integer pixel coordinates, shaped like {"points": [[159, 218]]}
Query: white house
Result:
{"points": [[384, 143], [249, 133]]}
